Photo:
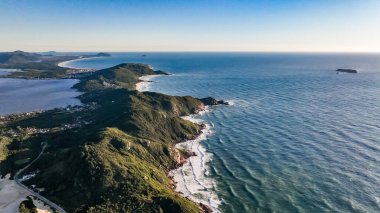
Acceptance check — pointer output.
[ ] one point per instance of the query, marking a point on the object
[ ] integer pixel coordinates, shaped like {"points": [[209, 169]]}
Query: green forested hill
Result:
{"points": [[118, 161], [121, 76]]}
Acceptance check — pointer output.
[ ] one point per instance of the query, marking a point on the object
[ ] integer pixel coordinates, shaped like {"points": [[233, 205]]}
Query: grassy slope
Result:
{"points": [[122, 75], [119, 162]]}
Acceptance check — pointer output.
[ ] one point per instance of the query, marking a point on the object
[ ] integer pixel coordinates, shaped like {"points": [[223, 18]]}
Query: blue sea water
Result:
{"points": [[297, 137]]}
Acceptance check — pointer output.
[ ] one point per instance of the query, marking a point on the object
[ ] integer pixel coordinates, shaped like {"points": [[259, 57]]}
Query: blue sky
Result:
{"points": [[161, 25]]}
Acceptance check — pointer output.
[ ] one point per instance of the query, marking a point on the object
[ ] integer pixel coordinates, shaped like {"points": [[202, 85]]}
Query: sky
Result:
{"points": [[196, 25]]}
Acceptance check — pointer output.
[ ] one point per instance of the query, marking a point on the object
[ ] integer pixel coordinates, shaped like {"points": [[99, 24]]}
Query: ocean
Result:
{"points": [[296, 137]]}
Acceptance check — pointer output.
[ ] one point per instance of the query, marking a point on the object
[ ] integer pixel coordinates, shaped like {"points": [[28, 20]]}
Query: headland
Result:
{"points": [[114, 153]]}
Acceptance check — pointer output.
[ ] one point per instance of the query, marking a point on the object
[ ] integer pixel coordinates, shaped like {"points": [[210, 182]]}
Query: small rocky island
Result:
{"points": [[346, 71], [212, 101], [103, 55]]}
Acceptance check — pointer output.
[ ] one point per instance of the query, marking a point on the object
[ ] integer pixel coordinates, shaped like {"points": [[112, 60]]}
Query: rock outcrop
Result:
{"points": [[213, 101]]}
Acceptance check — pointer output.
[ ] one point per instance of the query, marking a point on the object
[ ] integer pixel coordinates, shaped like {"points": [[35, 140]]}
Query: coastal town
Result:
{"points": [[18, 131]]}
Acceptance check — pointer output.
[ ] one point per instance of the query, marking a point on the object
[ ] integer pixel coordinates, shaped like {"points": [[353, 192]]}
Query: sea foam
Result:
{"points": [[192, 178]]}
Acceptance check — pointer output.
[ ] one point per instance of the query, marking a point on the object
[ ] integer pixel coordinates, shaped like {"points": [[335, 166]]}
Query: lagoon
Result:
{"points": [[22, 95]]}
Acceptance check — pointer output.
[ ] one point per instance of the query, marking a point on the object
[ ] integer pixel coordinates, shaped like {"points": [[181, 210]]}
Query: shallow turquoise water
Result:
{"points": [[297, 137]]}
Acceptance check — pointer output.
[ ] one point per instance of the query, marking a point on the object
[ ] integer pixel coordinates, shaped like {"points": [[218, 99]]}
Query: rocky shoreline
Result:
{"points": [[119, 131]]}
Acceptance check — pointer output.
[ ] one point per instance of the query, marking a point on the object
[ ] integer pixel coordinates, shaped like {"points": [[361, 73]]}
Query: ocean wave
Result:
{"points": [[192, 178], [146, 82]]}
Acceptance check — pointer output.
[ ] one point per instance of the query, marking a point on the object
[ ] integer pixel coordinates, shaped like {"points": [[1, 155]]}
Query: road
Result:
{"points": [[33, 193]]}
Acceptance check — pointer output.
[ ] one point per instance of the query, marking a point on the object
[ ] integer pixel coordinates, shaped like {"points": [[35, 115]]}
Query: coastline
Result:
{"points": [[65, 63], [4, 72], [146, 80], [191, 178]]}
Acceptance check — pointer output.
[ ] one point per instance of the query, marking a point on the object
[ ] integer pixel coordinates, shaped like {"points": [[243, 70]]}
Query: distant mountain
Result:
{"points": [[38, 65], [49, 53], [18, 57], [103, 55]]}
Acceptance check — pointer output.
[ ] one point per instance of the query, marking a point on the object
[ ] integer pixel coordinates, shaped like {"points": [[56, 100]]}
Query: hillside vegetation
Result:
{"points": [[118, 161], [120, 76]]}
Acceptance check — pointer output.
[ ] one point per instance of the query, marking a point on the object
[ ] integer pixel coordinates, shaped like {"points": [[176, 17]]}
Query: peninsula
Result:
{"points": [[113, 153], [34, 65]]}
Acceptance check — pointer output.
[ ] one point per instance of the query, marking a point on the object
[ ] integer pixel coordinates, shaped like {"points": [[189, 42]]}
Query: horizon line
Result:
{"points": [[198, 51]]}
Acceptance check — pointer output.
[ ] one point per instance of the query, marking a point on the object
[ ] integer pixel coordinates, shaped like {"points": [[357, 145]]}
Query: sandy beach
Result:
{"points": [[66, 63]]}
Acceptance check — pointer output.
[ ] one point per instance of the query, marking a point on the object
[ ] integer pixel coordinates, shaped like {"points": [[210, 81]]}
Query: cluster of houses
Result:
{"points": [[28, 131], [19, 131], [32, 130], [11, 117], [77, 73]]}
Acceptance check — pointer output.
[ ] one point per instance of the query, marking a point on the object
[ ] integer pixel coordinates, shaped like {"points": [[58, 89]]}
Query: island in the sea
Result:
{"points": [[111, 154], [347, 70]]}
